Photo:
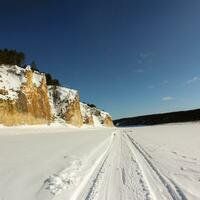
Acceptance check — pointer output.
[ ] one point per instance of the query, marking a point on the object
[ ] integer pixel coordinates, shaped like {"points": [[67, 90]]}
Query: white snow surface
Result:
{"points": [[60, 98], [11, 79], [97, 121], [37, 78], [85, 110], [43, 163], [104, 114]]}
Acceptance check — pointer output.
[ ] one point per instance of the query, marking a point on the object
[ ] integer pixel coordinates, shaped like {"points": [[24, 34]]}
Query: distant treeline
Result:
{"points": [[164, 118], [13, 57]]}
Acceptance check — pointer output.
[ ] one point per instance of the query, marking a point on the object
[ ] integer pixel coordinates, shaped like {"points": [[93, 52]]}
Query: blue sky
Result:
{"points": [[129, 57]]}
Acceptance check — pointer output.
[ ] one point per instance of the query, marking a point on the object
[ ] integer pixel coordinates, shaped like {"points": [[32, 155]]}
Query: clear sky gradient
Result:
{"points": [[129, 57]]}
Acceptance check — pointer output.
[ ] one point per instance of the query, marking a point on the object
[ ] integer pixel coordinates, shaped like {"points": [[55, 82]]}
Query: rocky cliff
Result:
{"points": [[86, 114], [65, 104], [94, 116], [23, 97], [26, 99]]}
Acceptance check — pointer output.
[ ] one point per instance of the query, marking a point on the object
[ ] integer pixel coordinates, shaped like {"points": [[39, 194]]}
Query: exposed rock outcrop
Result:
{"points": [[107, 119], [65, 103], [86, 114], [26, 99], [96, 117], [23, 97]]}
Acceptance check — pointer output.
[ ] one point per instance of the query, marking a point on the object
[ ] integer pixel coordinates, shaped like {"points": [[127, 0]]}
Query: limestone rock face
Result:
{"points": [[94, 116], [26, 99], [73, 115], [65, 104], [107, 120], [86, 114], [104, 118], [23, 97]]}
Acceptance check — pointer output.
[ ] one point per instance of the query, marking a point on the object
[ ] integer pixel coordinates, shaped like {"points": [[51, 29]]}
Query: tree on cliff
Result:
{"points": [[34, 66], [11, 57], [90, 105], [52, 81]]}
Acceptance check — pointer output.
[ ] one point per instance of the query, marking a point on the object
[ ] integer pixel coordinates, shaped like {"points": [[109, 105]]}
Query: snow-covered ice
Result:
{"points": [[43, 163], [38, 162]]}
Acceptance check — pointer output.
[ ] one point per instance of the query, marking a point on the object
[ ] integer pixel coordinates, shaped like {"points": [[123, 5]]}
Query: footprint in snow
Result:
{"points": [[184, 156], [182, 168]]}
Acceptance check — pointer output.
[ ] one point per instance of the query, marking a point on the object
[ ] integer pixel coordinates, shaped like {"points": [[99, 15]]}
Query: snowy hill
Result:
{"points": [[25, 98]]}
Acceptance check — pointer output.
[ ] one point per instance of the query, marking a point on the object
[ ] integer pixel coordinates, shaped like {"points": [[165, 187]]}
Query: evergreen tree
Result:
{"points": [[51, 81], [11, 57], [34, 66]]}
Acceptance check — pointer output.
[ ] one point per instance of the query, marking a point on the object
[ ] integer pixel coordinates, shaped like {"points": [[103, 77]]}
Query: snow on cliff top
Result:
{"points": [[85, 109], [11, 79], [63, 93], [98, 116], [60, 98], [37, 78], [104, 114]]}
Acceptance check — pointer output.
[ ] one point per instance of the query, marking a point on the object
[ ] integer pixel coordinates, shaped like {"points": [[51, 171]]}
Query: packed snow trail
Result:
{"points": [[144, 163], [127, 172], [169, 189], [118, 176]]}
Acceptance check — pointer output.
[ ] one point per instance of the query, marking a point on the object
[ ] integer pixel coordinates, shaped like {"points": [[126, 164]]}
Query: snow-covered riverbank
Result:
{"points": [[159, 162]]}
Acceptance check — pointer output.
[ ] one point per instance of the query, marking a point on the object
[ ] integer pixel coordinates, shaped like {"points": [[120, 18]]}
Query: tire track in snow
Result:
{"points": [[91, 189], [118, 176], [70, 181], [95, 181], [173, 190], [135, 180], [87, 186]]}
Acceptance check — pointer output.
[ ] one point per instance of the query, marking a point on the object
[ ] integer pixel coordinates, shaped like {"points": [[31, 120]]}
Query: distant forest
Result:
{"points": [[13, 57], [163, 118]]}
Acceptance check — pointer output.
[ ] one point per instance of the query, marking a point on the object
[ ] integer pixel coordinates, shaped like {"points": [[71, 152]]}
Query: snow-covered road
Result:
{"points": [[160, 162]]}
